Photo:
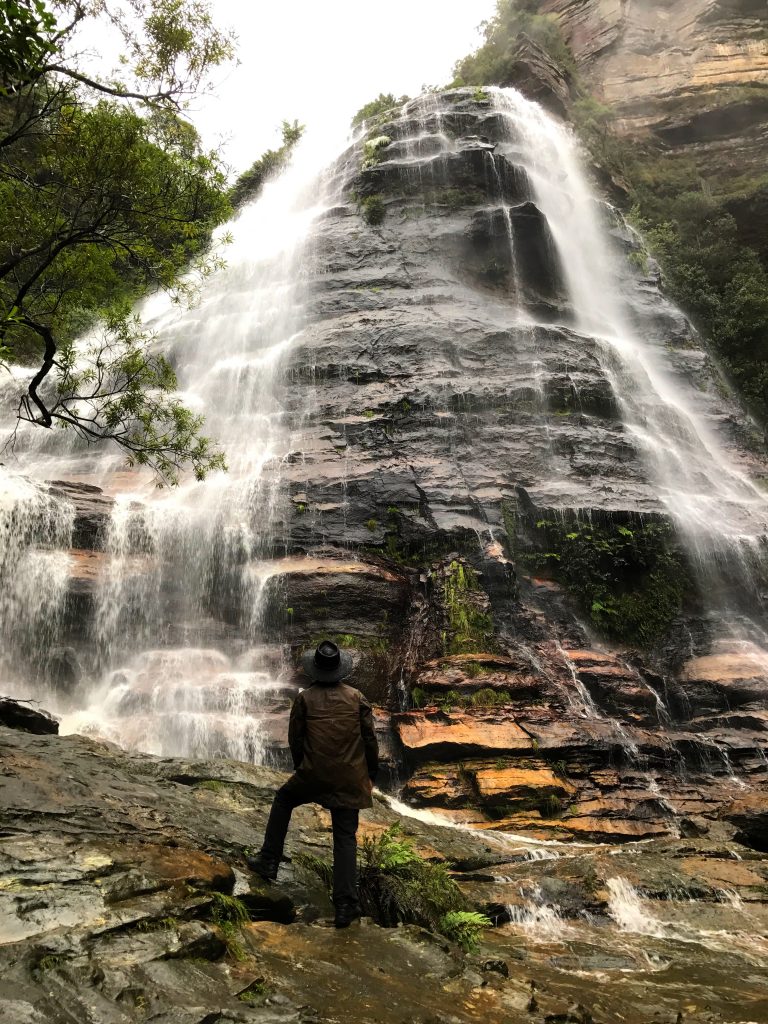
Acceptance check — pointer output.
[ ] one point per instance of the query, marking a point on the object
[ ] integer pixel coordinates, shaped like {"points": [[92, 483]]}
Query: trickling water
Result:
{"points": [[540, 920], [627, 910]]}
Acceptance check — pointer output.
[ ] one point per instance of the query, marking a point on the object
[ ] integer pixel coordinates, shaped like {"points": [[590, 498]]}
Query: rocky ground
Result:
{"points": [[115, 870]]}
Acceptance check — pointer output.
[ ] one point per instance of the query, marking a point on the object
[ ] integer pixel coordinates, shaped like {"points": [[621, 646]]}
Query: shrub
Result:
{"points": [[373, 210], [230, 914], [470, 627], [419, 697], [464, 927], [397, 885], [631, 581]]}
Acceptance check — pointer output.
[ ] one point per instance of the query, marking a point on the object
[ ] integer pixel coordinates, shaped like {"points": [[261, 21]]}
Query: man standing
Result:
{"points": [[335, 760]]}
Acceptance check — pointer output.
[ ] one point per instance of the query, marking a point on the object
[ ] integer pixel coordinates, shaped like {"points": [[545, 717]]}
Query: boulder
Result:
{"points": [[749, 813], [16, 714], [538, 76]]}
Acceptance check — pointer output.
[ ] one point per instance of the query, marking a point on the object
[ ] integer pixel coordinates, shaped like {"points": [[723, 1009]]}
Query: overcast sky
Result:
{"points": [[321, 60]]}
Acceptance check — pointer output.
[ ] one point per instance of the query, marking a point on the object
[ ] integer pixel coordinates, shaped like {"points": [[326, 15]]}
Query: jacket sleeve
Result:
{"points": [[296, 730], [369, 738]]}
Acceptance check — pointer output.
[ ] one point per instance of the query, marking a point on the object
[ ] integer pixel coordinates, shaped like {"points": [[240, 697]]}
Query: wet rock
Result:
{"points": [[725, 680], [21, 715], [750, 816], [432, 735], [93, 510], [536, 256]]}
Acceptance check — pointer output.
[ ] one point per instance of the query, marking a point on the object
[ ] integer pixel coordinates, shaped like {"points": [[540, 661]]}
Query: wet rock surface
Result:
{"points": [[115, 869]]}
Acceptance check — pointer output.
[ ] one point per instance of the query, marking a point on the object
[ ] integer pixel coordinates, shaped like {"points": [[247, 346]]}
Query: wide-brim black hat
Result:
{"points": [[327, 663]]}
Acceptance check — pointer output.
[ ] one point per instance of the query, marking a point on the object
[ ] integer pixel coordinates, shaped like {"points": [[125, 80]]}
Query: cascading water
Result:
{"points": [[164, 673], [184, 579], [721, 513]]}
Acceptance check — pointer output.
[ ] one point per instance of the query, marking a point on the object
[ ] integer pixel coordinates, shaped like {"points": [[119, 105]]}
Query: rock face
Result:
{"points": [[694, 74], [459, 436], [118, 872]]}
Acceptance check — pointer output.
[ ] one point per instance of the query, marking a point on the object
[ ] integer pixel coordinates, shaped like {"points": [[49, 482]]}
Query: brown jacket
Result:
{"points": [[333, 745]]}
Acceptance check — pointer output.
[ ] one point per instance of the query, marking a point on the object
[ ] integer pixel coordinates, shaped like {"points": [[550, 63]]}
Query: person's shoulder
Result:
{"points": [[352, 691]]}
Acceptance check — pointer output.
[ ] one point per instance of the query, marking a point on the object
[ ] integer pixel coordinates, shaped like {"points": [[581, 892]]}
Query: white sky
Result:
{"points": [[321, 60]]}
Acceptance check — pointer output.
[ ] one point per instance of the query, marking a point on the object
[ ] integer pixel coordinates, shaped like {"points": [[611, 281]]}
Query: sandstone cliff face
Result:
{"points": [[693, 73]]}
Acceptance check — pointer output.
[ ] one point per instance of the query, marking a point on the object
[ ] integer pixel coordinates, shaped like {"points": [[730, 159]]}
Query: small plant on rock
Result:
{"points": [[397, 885], [373, 210], [372, 150], [464, 927], [230, 914]]}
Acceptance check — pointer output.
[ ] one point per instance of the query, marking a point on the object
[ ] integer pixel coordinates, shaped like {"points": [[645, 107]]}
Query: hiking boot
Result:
{"points": [[346, 913], [265, 867]]}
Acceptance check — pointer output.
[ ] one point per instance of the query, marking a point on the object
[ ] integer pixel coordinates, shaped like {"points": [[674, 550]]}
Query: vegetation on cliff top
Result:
{"points": [[270, 163], [372, 111], [106, 194], [492, 62]]}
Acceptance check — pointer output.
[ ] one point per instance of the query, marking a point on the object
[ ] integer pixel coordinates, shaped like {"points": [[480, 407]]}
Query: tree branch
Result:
{"points": [[158, 97]]}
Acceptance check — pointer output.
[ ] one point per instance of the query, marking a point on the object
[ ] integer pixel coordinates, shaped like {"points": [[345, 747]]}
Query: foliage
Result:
{"points": [[630, 581], [419, 697], [373, 210], [720, 283], [230, 914], [492, 62], [372, 150], [383, 103], [100, 203], [397, 885], [469, 627], [170, 46], [269, 164], [464, 927], [27, 30]]}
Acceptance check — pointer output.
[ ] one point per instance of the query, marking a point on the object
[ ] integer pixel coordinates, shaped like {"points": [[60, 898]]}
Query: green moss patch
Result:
{"points": [[630, 579], [469, 625]]}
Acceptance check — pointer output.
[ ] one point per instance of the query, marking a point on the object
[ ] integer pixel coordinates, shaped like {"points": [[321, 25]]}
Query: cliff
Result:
{"points": [[469, 502], [693, 74]]}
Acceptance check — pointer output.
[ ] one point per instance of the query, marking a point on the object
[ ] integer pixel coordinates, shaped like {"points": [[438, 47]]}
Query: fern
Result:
{"points": [[464, 927], [396, 884]]}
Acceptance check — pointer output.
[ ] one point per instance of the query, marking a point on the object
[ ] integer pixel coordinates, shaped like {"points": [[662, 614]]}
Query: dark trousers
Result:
{"points": [[344, 821]]}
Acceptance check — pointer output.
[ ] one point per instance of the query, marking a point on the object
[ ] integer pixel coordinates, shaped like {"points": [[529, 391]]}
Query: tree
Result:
{"points": [[105, 193]]}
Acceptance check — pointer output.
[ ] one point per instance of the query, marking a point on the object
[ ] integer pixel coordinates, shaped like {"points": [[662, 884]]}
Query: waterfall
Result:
{"points": [[721, 513], [165, 673], [178, 656]]}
